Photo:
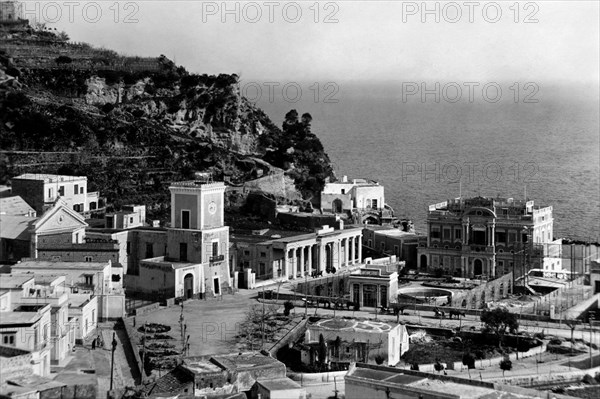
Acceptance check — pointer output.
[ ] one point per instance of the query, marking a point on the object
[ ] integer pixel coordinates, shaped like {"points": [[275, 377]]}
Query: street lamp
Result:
{"points": [[112, 360]]}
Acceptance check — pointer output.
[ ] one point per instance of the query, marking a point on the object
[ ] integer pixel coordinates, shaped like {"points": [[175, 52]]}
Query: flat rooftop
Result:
{"points": [[353, 325], [21, 318], [169, 262], [411, 382], [58, 265], [231, 362], [279, 384], [13, 281], [47, 177], [107, 230], [262, 235], [244, 361]]}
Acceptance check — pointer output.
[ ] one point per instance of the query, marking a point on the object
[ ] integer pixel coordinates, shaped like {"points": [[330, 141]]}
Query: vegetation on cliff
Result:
{"points": [[134, 125]]}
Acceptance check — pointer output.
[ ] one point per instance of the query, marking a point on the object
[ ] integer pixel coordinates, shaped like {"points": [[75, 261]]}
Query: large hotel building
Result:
{"points": [[489, 237]]}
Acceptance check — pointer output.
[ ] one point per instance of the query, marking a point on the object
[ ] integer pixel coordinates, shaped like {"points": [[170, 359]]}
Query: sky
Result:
{"points": [[372, 41]]}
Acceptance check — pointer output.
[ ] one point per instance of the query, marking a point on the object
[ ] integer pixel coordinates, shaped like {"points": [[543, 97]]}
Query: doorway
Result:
{"points": [[188, 286]]}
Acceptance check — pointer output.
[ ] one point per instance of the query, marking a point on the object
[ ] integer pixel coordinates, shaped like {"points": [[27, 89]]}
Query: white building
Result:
{"points": [[42, 190], [354, 340]]}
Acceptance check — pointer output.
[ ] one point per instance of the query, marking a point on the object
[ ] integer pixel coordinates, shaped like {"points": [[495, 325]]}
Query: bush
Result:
{"points": [[356, 307], [106, 108], [506, 365], [379, 359], [287, 307]]}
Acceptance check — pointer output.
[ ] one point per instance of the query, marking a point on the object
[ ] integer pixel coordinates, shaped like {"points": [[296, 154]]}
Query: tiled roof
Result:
{"points": [[15, 227], [15, 206], [173, 382]]}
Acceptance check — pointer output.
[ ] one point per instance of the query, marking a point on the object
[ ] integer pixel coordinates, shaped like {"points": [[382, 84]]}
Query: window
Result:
{"points": [[185, 219], [215, 248], [247, 253], [93, 205], [435, 232], [80, 190], [382, 245], [501, 236], [109, 222], [149, 250], [370, 243], [343, 191], [89, 279], [50, 193], [131, 220], [8, 338], [88, 258], [61, 191], [396, 250], [263, 254], [374, 204], [512, 237], [76, 190], [261, 269], [446, 234], [128, 247]]}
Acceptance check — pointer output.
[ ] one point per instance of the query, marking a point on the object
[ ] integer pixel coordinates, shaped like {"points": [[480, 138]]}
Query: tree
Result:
{"points": [[287, 307], [505, 365], [438, 366], [469, 360], [379, 359], [498, 321], [322, 349]]}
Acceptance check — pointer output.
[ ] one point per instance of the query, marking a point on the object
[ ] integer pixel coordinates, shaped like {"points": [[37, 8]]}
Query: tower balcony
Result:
{"points": [[216, 258]]}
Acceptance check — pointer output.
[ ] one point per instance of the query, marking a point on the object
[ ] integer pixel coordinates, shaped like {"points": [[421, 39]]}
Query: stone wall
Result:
{"points": [[14, 363], [477, 297]]}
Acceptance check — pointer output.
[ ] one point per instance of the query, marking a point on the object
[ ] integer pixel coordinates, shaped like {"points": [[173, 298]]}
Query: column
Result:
{"points": [[359, 252], [320, 253], [338, 245], [360, 295], [351, 249], [310, 258], [346, 244], [302, 265]]}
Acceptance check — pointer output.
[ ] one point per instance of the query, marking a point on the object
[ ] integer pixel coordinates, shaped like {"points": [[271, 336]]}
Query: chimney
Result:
{"points": [[344, 179]]}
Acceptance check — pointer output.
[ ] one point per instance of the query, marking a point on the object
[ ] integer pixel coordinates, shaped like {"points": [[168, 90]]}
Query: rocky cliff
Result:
{"points": [[133, 125]]}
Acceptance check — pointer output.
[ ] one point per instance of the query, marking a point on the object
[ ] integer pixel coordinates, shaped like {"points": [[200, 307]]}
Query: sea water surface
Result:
{"points": [[425, 152]]}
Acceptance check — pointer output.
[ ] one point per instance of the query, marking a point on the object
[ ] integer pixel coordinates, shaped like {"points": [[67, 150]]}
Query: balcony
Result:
{"points": [[481, 248], [216, 258]]}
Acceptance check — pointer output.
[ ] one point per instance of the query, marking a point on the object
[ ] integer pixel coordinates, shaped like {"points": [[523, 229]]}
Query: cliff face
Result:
{"points": [[133, 125]]}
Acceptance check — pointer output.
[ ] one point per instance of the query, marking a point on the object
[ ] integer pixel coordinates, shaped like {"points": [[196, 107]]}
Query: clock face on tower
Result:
{"points": [[212, 208]]}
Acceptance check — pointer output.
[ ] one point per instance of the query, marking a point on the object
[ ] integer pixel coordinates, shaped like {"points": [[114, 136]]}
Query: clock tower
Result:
{"points": [[198, 238]]}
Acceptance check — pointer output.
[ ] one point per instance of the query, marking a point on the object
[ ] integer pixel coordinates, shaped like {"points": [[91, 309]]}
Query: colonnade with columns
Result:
{"points": [[322, 255]]}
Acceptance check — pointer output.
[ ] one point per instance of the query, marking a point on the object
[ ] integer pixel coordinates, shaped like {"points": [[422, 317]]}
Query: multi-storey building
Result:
{"points": [[360, 198], [197, 246], [42, 190], [25, 325], [479, 236], [291, 255], [387, 240]]}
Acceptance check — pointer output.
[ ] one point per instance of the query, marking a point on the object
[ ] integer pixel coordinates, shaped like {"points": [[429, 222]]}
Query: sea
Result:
{"points": [[426, 144]]}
